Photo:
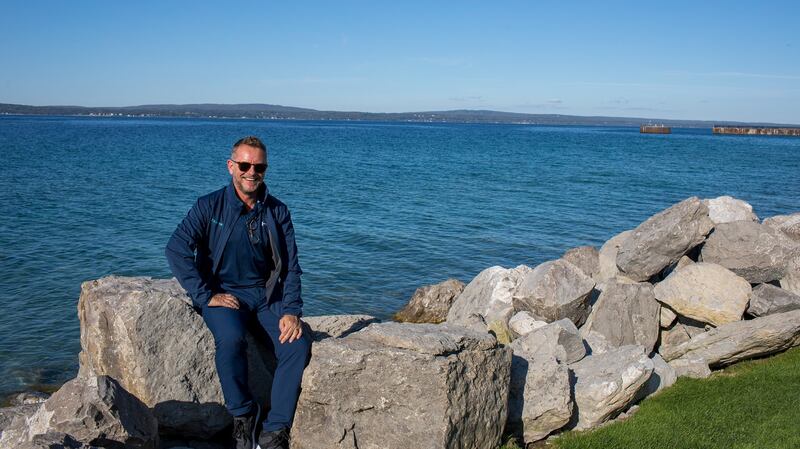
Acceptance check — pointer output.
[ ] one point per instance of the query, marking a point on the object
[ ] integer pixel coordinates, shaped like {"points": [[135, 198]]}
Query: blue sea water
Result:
{"points": [[379, 208]]}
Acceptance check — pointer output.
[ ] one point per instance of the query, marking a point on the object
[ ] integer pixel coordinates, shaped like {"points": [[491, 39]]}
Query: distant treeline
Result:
{"points": [[276, 112]]}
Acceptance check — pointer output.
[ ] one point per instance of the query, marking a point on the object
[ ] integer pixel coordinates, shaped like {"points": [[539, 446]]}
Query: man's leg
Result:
{"points": [[292, 360], [229, 327]]}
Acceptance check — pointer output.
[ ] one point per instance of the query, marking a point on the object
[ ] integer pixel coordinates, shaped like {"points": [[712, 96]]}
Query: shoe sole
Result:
{"points": [[257, 422]]}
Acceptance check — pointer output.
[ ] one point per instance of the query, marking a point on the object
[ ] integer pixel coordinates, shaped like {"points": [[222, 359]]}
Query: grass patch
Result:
{"points": [[753, 404]]}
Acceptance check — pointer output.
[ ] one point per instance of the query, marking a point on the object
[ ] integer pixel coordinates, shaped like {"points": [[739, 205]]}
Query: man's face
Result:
{"points": [[247, 182]]}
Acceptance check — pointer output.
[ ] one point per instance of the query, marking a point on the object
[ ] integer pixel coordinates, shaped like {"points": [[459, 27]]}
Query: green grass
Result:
{"points": [[753, 404]]}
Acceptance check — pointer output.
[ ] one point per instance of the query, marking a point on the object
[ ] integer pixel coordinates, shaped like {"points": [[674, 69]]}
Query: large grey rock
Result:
{"points": [[663, 238], [402, 385], [788, 224], [9, 414], [626, 314], [768, 299], [540, 400], [605, 384], [522, 323], [337, 326], [680, 332], [555, 290], [92, 410], [692, 367], [587, 258], [144, 333], [607, 256], [54, 440], [791, 280], [430, 304], [705, 292], [560, 338], [756, 252], [488, 295], [667, 317], [725, 209], [663, 376], [741, 340]]}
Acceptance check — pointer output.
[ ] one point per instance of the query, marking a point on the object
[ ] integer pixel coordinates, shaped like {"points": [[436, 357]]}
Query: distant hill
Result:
{"points": [[277, 112]]}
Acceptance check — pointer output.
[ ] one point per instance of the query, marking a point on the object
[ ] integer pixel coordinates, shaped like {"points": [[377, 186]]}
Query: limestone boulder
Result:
{"points": [[488, 295], [555, 290], [607, 256], [539, 401], [663, 238], [93, 410], [787, 224], [768, 299], [684, 261], [725, 209], [692, 367], [337, 326], [706, 292], [681, 331], [606, 384], [791, 283], [144, 333], [626, 314], [430, 304], [756, 252], [586, 258], [560, 337], [666, 317], [740, 340], [523, 323], [663, 376], [403, 385]]}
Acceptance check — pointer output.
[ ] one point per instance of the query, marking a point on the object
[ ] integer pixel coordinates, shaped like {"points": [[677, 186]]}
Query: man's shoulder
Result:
{"points": [[278, 207], [212, 197]]}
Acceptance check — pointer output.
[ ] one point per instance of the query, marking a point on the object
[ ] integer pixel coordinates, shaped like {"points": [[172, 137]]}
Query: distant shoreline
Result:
{"points": [[277, 112]]}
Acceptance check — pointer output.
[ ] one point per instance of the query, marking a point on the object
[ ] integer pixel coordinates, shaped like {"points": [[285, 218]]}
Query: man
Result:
{"points": [[235, 255]]}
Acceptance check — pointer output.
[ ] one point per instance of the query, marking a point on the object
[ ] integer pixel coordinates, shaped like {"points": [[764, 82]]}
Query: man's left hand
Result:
{"points": [[290, 328]]}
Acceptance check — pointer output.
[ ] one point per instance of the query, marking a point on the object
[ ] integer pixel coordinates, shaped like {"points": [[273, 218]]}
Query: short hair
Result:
{"points": [[250, 141]]}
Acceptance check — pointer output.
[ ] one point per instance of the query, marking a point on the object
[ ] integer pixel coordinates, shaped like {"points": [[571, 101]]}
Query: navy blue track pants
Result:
{"points": [[229, 327]]}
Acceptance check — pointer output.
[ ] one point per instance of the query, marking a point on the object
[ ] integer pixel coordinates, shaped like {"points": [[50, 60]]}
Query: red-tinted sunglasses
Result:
{"points": [[245, 166]]}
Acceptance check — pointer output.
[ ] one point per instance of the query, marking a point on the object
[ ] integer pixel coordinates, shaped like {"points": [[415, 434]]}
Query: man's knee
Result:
{"points": [[230, 340]]}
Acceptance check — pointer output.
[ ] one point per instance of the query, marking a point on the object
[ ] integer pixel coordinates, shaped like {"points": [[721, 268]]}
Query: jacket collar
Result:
{"points": [[233, 201]]}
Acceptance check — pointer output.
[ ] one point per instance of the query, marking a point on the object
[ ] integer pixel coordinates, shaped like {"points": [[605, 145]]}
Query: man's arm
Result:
{"points": [[292, 299], [180, 254]]}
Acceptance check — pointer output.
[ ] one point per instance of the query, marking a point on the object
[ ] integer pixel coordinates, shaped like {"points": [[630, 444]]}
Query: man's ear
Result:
{"points": [[230, 167]]}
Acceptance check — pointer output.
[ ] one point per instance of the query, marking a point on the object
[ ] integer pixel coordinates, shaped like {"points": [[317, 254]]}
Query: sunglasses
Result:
{"points": [[245, 166]]}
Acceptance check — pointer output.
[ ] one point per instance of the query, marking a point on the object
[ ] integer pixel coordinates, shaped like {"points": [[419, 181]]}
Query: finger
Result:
{"points": [[295, 335]]}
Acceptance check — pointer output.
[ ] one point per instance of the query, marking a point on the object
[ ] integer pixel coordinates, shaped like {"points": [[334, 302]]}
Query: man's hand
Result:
{"points": [[224, 300], [290, 328]]}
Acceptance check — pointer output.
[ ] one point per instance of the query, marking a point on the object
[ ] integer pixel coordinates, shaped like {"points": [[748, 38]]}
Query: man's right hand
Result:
{"points": [[224, 300]]}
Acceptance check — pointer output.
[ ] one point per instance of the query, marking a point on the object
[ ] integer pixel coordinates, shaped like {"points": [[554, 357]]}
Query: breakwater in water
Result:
{"points": [[757, 130]]}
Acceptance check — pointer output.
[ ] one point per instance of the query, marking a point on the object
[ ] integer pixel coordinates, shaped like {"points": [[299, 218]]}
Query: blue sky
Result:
{"points": [[688, 60]]}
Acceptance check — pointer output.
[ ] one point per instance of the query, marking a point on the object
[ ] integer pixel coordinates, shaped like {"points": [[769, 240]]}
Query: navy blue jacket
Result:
{"points": [[195, 249]]}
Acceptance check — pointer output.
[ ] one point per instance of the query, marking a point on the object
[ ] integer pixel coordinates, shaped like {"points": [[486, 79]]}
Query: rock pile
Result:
{"points": [[569, 344], [697, 286]]}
